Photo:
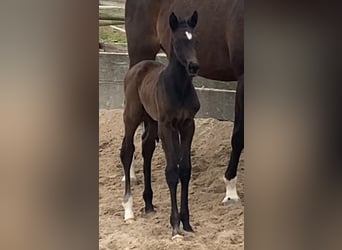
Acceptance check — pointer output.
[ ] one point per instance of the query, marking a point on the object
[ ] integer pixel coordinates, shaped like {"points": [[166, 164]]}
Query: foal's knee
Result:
{"points": [[185, 173], [172, 176]]}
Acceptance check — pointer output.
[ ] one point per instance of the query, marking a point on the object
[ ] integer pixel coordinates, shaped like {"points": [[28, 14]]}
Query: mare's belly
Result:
{"points": [[217, 73]]}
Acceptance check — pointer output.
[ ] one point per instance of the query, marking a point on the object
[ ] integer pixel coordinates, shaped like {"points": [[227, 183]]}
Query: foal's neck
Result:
{"points": [[177, 76]]}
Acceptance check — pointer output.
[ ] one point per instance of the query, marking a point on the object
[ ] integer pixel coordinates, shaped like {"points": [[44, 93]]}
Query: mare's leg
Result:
{"points": [[170, 141], [140, 23], [186, 133], [235, 38], [148, 145], [126, 155], [237, 145]]}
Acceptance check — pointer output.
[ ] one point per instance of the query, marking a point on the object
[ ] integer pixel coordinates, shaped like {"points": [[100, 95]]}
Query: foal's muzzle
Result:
{"points": [[193, 68]]}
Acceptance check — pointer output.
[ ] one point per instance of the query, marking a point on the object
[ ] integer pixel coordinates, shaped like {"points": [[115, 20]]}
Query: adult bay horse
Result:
{"points": [[220, 51], [165, 99]]}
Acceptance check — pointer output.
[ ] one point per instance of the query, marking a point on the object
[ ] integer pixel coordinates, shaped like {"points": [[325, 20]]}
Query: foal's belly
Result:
{"points": [[147, 91]]}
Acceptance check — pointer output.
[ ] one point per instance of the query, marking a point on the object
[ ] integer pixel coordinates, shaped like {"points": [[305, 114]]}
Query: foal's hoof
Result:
{"points": [[177, 237], [188, 229], [129, 221], [149, 213]]}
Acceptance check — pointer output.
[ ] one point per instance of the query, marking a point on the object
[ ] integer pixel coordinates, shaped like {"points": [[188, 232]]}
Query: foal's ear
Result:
{"points": [[192, 21], [173, 21]]}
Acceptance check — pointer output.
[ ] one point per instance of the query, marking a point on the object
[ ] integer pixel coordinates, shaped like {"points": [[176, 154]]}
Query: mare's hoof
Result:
{"points": [[231, 202], [177, 237]]}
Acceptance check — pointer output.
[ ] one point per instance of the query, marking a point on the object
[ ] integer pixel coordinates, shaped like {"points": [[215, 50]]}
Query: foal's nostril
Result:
{"points": [[193, 68]]}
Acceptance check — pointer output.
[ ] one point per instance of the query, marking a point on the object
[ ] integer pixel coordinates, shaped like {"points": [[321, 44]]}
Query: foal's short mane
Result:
{"points": [[182, 23]]}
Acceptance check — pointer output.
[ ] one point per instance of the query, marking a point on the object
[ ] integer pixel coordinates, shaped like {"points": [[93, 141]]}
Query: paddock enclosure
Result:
{"points": [[216, 226]]}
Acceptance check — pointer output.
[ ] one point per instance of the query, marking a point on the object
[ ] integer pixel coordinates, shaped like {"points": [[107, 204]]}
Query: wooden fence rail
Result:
{"points": [[109, 22], [109, 15]]}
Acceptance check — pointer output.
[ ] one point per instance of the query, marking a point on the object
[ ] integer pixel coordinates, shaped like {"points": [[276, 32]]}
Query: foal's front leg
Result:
{"points": [[170, 141], [187, 133]]}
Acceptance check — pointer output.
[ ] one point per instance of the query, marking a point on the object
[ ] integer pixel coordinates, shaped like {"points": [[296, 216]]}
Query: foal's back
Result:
{"points": [[140, 87]]}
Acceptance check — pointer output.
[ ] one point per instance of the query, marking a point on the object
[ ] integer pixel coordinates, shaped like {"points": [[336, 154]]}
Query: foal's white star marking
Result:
{"points": [[188, 35]]}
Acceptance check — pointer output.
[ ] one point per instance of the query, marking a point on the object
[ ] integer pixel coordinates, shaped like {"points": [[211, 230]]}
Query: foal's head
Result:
{"points": [[183, 41]]}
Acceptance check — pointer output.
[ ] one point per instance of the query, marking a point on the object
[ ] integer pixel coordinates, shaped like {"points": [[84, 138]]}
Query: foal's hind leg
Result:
{"points": [[186, 133], [148, 145], [126, 155], [237, 146], [132, 173]]}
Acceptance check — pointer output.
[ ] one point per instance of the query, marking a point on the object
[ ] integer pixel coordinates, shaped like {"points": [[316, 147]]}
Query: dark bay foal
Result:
{"points": [[165, 100]]}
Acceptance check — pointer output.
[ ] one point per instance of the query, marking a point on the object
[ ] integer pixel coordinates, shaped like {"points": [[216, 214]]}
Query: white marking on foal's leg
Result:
{"points": [[231, 193], [177, 237], [128, 206], [131, 172]]}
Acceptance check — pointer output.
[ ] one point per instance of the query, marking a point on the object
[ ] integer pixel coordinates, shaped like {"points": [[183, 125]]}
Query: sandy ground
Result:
{"points": [[216, 226]]}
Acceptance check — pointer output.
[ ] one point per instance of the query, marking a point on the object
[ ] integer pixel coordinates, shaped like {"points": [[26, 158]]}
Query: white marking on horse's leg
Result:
{"points": [[128, 206], [177, 237], [131, 172], [231, 193]]}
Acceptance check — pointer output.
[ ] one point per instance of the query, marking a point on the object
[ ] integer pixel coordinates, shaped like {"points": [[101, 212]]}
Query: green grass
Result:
{"points": [[107, 34], [111, 36]]}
